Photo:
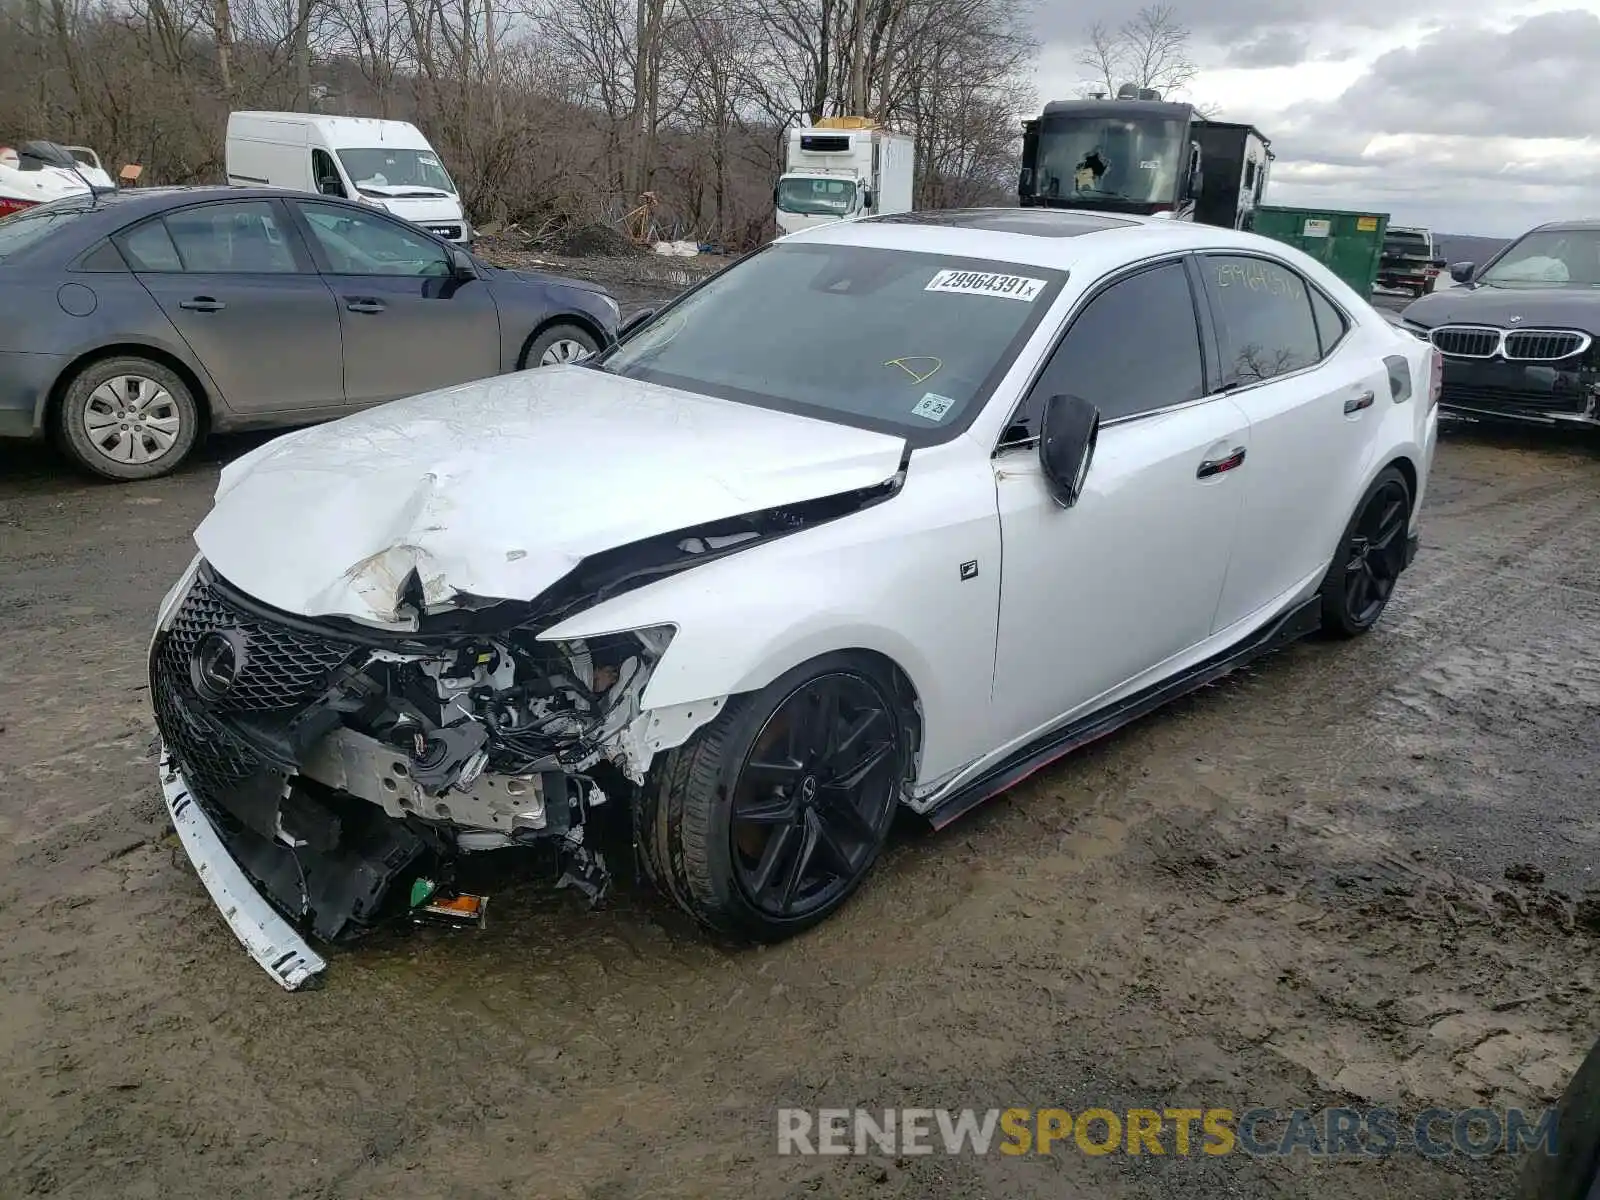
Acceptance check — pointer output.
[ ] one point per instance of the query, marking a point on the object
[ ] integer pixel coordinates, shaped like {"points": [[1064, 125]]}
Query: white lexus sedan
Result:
{"points": [[889, 513]]}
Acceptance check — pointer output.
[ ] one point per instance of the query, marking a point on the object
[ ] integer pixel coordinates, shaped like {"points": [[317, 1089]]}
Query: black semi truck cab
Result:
{"points": [[1141, 154]]}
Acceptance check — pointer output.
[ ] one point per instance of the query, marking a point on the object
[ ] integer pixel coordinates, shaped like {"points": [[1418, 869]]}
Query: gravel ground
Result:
{"points": [[1289, 889]]}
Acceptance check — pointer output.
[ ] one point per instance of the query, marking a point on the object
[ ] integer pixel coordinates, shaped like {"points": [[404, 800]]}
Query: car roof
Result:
{"points": [[1576, 225], [1050, 238]]}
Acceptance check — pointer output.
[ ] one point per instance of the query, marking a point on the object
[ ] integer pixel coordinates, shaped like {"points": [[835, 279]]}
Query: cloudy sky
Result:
{"points": [[1484, 125]]}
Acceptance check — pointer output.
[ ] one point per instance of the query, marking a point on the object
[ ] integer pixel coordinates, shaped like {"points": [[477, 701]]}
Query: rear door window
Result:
{"points": [[243, 237], [1265, 317]]}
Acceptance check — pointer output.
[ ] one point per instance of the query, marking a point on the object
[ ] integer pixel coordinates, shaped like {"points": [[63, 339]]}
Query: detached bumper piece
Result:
{"points": [[281, 952]]}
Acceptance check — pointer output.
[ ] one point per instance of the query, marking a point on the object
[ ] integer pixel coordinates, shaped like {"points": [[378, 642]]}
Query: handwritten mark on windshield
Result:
{"points": [[918, 375]]}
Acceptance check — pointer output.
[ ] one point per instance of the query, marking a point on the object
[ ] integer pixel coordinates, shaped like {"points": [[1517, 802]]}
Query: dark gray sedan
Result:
{"points": [[134, 323]]}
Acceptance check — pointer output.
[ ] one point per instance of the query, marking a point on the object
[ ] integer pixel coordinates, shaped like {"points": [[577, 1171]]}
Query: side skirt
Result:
{"points": [[1304, 618]]}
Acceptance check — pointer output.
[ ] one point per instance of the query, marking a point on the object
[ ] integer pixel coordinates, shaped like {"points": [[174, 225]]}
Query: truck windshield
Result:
{"points": [[1550, 258], [900, 342], [824, 197], [391, 172], [1087, 159]]}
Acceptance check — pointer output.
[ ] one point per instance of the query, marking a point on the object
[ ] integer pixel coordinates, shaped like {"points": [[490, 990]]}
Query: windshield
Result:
{"points": [[1549, 258], [882, 339], [22, 229], [397, 172], [1110, 158], [830, 197]]}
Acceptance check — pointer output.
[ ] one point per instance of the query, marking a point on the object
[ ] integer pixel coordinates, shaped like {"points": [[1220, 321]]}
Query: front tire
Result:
{"points": [[1370, 557], [558, 345], [127, 418], [768, 819]]}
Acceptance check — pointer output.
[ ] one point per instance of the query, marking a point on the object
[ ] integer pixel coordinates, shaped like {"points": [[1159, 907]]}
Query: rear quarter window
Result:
{"points": [[23, 230]]}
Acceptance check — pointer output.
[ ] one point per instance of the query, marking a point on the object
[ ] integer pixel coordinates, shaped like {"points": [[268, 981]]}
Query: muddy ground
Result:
{"points": [[1286, 890]]}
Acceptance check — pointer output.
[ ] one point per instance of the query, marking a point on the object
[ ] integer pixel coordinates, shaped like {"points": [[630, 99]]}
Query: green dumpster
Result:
{"points": [[1350, 244]]}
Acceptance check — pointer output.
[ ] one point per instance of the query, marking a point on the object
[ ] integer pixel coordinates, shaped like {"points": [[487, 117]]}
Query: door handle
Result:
{"points": [[364, 305], [202, 304], [1356, 404], [1216, 466]]}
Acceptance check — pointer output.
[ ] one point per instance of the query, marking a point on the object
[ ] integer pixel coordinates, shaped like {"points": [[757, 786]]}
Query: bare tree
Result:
{"points": [[1148, 50]]}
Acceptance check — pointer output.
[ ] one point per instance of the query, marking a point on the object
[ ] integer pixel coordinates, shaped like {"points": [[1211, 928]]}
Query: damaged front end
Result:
{"points": [[345, 769]]}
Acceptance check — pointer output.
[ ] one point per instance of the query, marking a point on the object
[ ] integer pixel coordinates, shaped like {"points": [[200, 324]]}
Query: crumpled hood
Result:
{"points": [[499, 488], [1539, 308]]}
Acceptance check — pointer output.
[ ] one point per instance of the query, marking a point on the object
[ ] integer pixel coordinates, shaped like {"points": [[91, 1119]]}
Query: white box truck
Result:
{"points": [[843, 167], [387, 164]]}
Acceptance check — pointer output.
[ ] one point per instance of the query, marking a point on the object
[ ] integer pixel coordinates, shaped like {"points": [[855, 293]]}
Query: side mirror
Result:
{"points": [[1066, 446], [1461, 272], [1197, 184], [774, 195], [329, 185], [866, 199], [461, 264], [634, 322]]}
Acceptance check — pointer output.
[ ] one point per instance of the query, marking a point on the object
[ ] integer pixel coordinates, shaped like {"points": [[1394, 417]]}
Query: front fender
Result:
{"points": [[888, 579]]}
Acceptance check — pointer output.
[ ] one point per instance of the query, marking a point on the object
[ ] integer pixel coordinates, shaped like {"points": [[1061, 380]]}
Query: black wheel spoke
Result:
{"points": [[1354, 587], [841, 811], [775, 772], [815, 728], [774, 855], [806, 832], [853, 776], [851, 739], [830, 851], [776, 808]]}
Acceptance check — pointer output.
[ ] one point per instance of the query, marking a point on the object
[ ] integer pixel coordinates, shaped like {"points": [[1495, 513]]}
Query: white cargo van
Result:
{"points": [[387, 164]]}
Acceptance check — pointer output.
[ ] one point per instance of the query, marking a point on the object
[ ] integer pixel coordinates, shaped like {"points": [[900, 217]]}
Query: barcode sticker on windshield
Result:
{"points": [[983, 283], [933, 406]]}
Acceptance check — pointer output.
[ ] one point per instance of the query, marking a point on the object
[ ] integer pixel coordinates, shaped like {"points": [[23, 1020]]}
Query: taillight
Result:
{"points": [[1436, 382], [7, 206]]}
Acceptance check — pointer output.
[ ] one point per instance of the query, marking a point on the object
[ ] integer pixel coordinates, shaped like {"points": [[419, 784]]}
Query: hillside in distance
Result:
{"points": [[1461, 247]]}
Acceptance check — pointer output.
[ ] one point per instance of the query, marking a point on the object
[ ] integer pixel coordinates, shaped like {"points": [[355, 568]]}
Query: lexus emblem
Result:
{"points": [[216, 663]]}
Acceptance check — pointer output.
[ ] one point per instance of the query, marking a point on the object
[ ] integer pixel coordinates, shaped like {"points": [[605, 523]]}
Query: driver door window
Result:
{"points": [[325, 175], [1135, 349], [360, 243]]}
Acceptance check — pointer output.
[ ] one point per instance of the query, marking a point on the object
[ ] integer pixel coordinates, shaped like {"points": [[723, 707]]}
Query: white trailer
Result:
{"points": [[843, 167]]}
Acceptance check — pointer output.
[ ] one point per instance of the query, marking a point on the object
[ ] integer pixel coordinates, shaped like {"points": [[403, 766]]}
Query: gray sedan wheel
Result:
{"points": [[559, 345], [128, 418]]}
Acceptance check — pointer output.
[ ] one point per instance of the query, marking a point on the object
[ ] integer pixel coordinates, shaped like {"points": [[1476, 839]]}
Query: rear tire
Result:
{"points": [[768, 819], [1369, 559], [127, 418], [558, 345]]}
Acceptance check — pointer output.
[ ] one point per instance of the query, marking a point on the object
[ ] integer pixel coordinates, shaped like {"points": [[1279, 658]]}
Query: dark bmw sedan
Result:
{"points": [[1519, 340], [132, 324]]}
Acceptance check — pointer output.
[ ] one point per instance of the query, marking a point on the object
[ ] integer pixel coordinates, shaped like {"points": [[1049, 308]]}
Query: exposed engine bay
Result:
{"points": [[339, 763]]}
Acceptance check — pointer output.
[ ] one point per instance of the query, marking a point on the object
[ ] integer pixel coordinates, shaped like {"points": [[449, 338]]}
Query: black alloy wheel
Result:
{"points": [[1371, 556], [815, 796], [1376, 553]]}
